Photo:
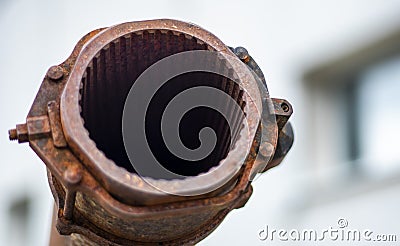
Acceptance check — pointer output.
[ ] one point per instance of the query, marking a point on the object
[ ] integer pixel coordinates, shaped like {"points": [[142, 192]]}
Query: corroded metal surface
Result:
{"points": [[128, 186], [100, 199]]}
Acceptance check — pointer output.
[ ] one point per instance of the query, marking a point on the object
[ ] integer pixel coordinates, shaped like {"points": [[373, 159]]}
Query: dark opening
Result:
{"points": [[109, 78]]}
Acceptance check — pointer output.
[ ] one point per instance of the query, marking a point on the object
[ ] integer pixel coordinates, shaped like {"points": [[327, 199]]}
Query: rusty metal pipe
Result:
{"points": [[76, 127]]}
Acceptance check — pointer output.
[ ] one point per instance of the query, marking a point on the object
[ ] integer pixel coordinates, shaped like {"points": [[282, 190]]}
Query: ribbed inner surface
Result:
{"points": [[111, 74]]}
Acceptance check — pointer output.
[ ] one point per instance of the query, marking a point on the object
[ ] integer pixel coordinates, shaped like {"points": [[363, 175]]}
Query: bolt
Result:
{"points": [[55, 73], [73, 175], [242, 54], [12, 134], [19, 133], [285, 107], [266, 149]]}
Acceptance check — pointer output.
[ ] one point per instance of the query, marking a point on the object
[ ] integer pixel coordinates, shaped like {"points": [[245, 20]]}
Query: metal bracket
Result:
{"points": [[43, 126]]}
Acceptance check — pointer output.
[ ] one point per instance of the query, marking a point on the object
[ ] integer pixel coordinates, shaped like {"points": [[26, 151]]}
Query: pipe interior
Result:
{"points": [[106, 84]]}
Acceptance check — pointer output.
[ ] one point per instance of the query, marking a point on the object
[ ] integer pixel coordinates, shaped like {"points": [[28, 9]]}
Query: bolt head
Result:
{"points": [[73, 175], [242, 53], [55, 73], [266, 149]]}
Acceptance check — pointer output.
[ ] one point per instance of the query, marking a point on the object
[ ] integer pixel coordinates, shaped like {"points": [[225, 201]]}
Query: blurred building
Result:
{"points": [[336, 61], [354, 128]]}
